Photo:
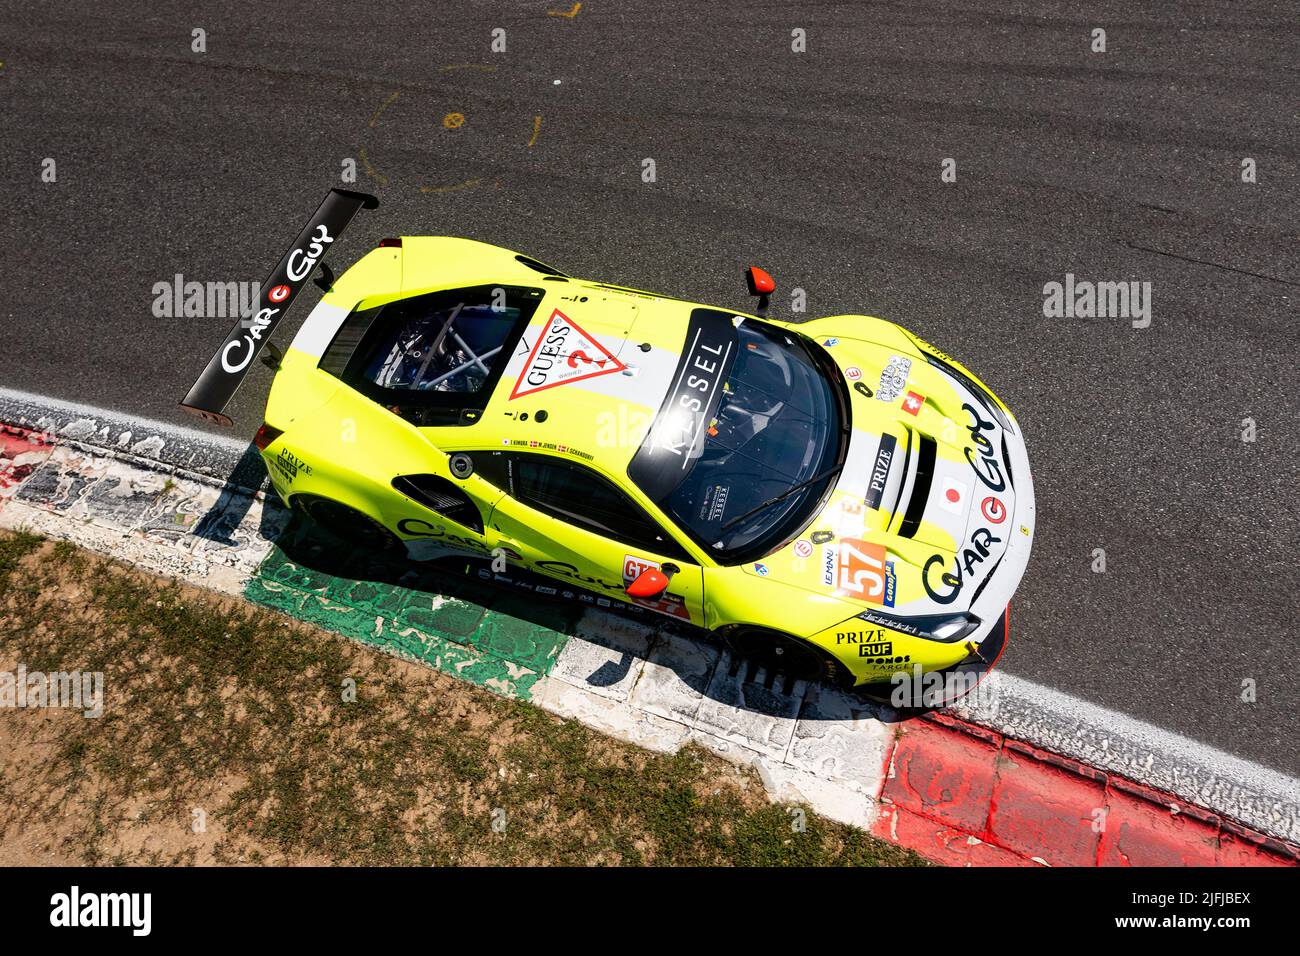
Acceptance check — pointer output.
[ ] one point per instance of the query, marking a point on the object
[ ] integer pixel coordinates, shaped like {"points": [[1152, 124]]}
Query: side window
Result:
{"points": [[440, 495], [577, 495]]}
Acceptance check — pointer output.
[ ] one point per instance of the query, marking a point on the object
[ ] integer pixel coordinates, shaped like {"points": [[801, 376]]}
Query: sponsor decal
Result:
{"points": [[985, 465], [245, 347], [279, 293], [288, 465], [822, 537], [976, 550], [419, 528], [830, 342], [893, 378], [994, 511], [913, 403], [853, 373], [871, 638], [880, 470], [952, 496], [891, 585], [761, 570], [564, 570], [563, 354], [860, 570], [302, 261], [715, 502], [828, 566], [872, 644], [697, 383], [802, 548], [677, 437]]}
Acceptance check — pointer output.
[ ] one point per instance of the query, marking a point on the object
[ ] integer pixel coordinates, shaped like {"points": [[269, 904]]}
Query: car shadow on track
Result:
{"points": [[643, 652]]}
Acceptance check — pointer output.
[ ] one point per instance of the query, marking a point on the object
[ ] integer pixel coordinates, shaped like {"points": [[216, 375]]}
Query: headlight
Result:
{"points": [[945, 628]]}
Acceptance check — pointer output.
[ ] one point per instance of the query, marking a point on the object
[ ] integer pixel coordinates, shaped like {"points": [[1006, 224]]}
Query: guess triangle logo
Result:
{"points": [[563, 354]]}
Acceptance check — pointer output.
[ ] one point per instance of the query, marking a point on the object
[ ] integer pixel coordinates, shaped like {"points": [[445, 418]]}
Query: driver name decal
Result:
{"points": [[563, 354]]}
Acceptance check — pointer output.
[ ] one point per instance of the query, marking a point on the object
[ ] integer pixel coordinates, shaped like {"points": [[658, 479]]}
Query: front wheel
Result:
{"points": [[351, 525]]}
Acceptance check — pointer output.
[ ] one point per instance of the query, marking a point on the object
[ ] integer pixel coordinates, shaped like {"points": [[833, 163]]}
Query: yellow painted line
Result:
{"points": [[370, 170], [468, 184], [383, 106], [537, 128], [570, 14]]}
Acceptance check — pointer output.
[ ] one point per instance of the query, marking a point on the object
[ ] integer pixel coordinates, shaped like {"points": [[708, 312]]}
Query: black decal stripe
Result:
{"points": [[902, 482], [921, 488]]}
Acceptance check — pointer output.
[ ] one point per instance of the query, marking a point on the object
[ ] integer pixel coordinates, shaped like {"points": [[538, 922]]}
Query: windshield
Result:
{"points": [[777, 424]]}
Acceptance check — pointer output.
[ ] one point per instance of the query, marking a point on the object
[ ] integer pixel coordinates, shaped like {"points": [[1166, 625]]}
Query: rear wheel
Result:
{"points": [[351, 525], [781, 653]]}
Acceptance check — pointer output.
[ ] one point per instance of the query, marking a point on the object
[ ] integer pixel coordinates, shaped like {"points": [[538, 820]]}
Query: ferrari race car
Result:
{"points": [[835, 498]]}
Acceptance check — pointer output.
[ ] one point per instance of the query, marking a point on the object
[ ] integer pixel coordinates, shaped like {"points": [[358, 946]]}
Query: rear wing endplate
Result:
{"points": [[216, 386]]}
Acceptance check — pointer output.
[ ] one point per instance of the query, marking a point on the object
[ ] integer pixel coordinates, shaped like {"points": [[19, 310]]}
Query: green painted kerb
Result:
{"points": [[499, 640]]}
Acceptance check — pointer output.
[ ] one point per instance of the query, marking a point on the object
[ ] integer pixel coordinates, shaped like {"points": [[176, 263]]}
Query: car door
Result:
{"points": [[572, 524]]}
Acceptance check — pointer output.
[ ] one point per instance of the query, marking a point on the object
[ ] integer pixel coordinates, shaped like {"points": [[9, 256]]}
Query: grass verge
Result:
{"points": [[231, 734]]}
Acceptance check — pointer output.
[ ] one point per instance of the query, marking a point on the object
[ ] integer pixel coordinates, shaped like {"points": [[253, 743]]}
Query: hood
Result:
{"points": [[923, 510]]}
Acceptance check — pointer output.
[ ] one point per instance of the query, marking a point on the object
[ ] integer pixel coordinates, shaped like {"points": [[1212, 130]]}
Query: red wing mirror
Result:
{"points": [[760, 283], [650, 583]]}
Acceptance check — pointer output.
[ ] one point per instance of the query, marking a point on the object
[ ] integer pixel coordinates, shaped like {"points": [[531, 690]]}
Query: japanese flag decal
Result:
{"points": [[226, 370]]}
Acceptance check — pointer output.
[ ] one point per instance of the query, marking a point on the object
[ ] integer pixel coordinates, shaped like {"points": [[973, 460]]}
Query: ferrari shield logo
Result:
{"points": [[563, 354]]}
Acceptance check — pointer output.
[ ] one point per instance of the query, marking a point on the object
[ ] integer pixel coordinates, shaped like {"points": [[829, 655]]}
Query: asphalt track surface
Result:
{"points": [[825, 168]]}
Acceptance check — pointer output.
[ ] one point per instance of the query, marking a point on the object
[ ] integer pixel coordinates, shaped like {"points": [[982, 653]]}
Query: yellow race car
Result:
{"points": [[835, 498]]}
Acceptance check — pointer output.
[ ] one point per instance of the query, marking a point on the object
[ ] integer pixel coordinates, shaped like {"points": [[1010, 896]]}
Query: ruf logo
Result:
{"points": [[279, 293]]}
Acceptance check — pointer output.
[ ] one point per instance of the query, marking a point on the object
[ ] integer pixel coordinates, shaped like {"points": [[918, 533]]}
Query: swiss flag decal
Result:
{"points": [[563, 354]]}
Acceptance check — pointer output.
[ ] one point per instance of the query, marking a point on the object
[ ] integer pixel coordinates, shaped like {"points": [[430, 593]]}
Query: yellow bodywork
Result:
{"points": [[341, 445]]}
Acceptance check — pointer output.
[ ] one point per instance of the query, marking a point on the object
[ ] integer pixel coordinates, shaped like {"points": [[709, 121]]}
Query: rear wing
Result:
{"points": [[216, 386]]}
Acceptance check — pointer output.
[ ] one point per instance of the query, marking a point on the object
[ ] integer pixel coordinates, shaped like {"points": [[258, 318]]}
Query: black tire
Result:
{"points": [[782, 653], [346, 523]]}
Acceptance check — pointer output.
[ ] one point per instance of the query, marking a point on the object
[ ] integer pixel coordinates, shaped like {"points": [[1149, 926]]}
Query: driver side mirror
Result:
{"points": [[651, 583], [760, 284]]}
